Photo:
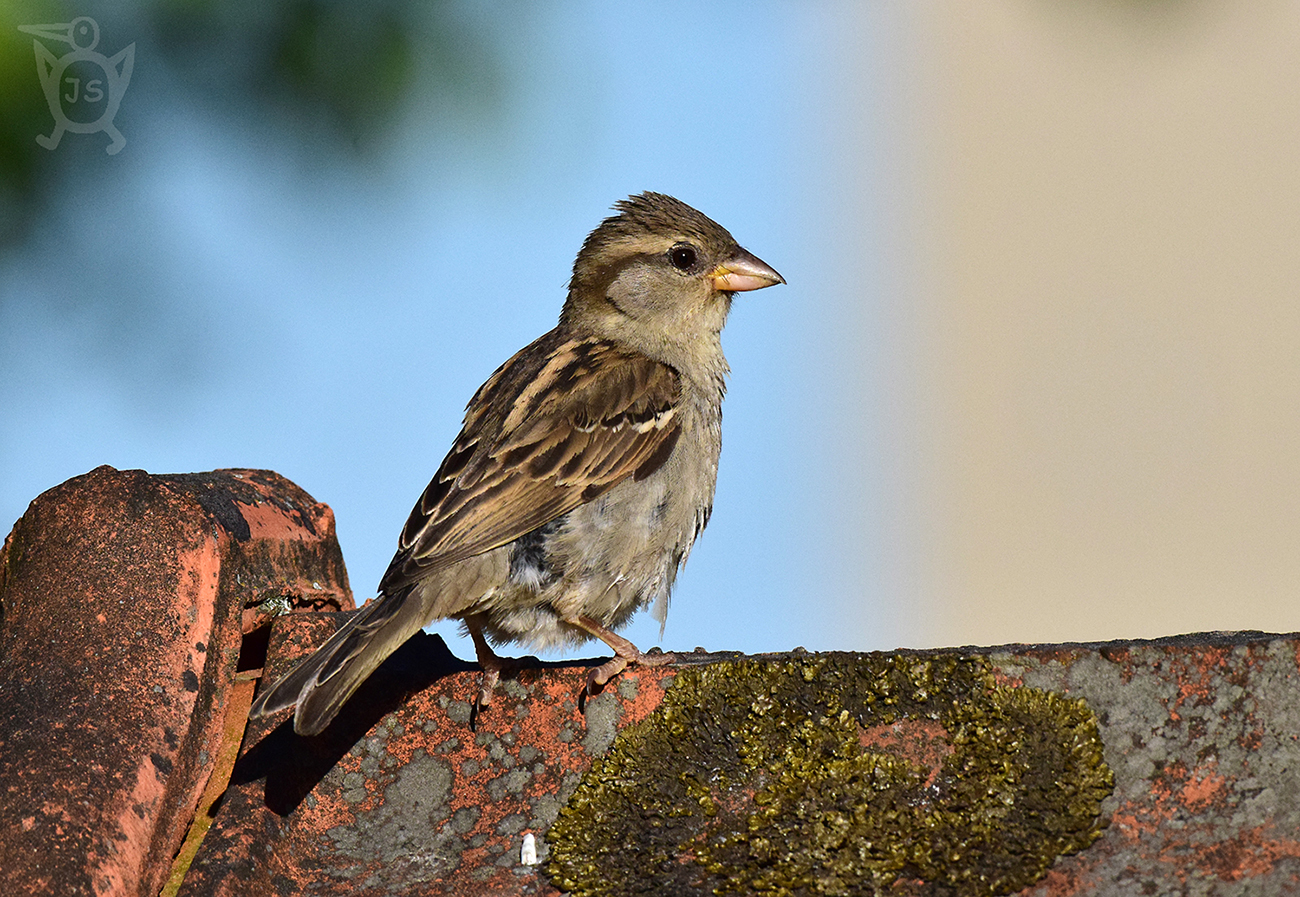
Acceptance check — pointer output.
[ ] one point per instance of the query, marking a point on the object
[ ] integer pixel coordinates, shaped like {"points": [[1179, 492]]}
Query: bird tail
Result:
{"points": [[321, 684]]}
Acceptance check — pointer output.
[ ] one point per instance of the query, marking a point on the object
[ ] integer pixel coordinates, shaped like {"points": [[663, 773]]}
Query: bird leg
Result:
{"points": [[625, 653], [492, 664]]}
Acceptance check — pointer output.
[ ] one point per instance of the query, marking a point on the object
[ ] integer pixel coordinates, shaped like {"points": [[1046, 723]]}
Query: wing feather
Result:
{"points": [[558, 425]]}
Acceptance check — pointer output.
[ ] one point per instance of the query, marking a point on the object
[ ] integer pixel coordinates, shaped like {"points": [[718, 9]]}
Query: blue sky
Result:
{"points": [[330, 322]]}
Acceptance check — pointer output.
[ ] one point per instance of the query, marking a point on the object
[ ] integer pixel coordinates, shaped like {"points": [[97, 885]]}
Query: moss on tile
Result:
{"points": [[752, 778]]}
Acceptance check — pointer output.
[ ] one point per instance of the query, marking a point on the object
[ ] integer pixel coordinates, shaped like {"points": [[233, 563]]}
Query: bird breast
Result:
{"points": [[620, 552]]}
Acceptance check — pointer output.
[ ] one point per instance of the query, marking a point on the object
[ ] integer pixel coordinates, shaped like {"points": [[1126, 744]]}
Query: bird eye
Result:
{"points": [[682, 256]]}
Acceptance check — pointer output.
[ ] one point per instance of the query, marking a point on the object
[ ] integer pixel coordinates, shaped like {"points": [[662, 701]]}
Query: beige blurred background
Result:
{"points": [[1098, 263]]}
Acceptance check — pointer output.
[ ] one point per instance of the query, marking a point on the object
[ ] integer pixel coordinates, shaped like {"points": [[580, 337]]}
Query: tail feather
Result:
{"points": [[321, 684]]}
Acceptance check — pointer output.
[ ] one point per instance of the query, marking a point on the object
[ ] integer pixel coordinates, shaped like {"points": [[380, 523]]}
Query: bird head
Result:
{"points": [[659, 274]]}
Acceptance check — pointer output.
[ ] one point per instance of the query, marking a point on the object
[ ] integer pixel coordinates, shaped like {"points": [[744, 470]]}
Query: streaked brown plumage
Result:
{"points": [[583, 473]]}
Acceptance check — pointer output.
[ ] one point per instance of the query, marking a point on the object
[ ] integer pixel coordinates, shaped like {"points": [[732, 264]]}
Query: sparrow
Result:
{"points": [[584, 471]]}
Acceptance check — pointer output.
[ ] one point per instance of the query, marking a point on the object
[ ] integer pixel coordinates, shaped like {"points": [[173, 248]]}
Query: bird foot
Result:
{"points": [[493, 665], [494, 668], [596, 678], [487, 685], [625, 654]]}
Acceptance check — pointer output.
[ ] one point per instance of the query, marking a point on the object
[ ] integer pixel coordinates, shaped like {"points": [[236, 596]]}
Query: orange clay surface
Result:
{"points": [[131, 603]]}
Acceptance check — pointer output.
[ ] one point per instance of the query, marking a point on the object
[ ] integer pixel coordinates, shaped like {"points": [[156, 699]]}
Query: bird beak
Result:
{"points": [[61, 32], [744, 271]]}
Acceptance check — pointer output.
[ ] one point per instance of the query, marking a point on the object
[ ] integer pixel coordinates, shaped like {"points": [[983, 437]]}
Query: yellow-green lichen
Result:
{"points": [[753, 778]]}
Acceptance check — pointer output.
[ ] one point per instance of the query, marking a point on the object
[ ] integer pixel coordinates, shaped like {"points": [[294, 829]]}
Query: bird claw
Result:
{"points": [[625, 653], [487, 685], [492, 673], [597, 677], [493, 666]]}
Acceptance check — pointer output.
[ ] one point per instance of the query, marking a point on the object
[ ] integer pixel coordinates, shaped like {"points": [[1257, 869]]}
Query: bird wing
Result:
{"points": [[558, 425]]}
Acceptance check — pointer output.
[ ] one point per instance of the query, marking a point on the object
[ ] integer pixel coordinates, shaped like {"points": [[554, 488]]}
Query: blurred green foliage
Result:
{"points": [[333, 78], [23, 115]]}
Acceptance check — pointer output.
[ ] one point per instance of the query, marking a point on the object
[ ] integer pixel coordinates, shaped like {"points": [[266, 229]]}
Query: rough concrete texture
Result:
{"points": [[124, 598], [129, 603], [402, 796], [1203, 735]]}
